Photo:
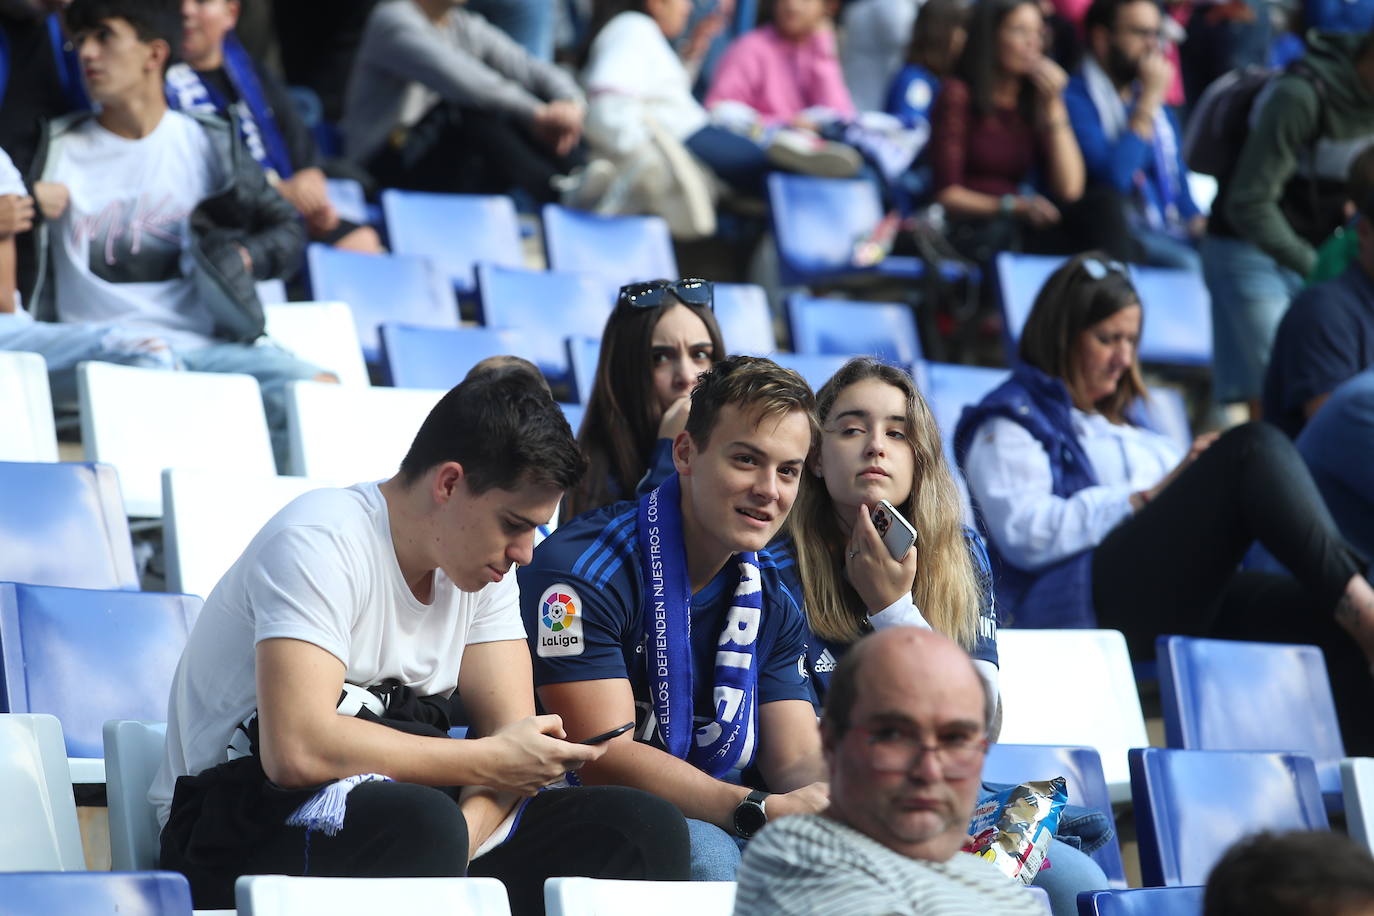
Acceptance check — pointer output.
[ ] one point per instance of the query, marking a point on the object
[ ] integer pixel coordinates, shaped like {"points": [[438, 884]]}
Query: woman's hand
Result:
{"points": [[1036, 210], [1200, 445], [1048, 78], [675, 418], [879, 579]]}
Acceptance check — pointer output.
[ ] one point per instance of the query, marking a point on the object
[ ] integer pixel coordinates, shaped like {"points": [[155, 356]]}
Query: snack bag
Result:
{"points": [[1012, 829]]}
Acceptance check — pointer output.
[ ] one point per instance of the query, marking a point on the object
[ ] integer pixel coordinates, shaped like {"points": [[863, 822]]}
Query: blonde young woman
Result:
{"points": [[879, 441]]}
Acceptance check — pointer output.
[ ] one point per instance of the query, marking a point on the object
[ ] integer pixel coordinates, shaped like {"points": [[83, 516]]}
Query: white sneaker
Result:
{"points": [[805, 153], [584, 188]]}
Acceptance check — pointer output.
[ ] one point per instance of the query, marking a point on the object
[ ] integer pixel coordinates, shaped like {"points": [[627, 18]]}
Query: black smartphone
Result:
{"points": [[607, 736]]}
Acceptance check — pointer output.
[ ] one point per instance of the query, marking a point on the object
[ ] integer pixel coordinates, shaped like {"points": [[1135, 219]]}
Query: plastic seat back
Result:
{"points": [[144, 420], [1081, 768], [37, 808], [385, 287], [349, 199], [1044, 700], [353, 434], [816, 223], [64, 524], [1019, 278], [1357, 789], [584, 353], [283, 895], [440, 358], [1167, 414], [1191, 806], [1178, 316], [618, 249], [88, 655], [1227, 695], [746, 322], [607, 897], [840, 327], [815, 368], [26, 409], [94, 893], [545, 308], [322, 333], [1143, 901], [133, 752], [210, 516], [454, 231]]}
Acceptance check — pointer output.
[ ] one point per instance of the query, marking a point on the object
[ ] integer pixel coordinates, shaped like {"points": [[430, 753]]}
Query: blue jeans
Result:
{"points": [[1250, 292], [1070, 872], [738, 161], [529, 22], [1164, 250], [63, 346], [715, 853], [1336, 444]]}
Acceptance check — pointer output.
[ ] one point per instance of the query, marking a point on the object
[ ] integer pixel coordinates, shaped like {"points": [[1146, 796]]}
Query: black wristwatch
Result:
{"points": [[750, 815]]}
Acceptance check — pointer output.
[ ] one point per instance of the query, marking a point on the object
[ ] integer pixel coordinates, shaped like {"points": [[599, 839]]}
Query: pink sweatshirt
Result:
{"points": [[778, 78]]}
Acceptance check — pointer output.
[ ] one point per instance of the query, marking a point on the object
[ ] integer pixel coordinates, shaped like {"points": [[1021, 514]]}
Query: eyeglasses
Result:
{"points": [[653, 293], [1142, 33], [1098, 268], [893, 749]]}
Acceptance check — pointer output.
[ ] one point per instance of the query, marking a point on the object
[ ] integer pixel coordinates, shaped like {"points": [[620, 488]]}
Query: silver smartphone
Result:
{"points": [[897, 533]]}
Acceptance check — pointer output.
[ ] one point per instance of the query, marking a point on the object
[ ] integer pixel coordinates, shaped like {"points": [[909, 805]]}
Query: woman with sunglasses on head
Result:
{"points": [[1093, 520], [879, 442], [659, 338]]}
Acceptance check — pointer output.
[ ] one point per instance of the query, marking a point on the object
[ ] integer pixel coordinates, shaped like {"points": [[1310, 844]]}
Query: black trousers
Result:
{"points": [[469, 151], [1171, 568], [405, 830]]}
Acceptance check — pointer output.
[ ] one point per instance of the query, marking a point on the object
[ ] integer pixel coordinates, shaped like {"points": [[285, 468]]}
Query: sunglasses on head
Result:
{"points": [[653, 293], [1098, 268]]}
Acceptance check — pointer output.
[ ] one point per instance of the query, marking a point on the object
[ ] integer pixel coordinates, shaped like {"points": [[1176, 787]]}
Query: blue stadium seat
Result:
{"points": [[455, 231], [583, 355], [1142, 901], [95, 893], [746, 322], [1081, 767], [950, 387], [1177, 310], [439, 358], [816, 223], [1178, 316], [1227, 695], [1190, 806], [87, 655], [388, 287], [618, 249], [574, 414], [64, 524], [839, 327], [815, 368], [1167, 414], [546, 308]]}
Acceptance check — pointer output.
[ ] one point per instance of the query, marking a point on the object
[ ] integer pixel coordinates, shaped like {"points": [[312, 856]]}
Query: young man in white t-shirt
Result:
{"points": [[384, 597], [157, 222]]}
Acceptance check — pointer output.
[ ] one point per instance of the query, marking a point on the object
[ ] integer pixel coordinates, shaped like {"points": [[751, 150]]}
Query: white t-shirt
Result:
{"points": [[121, 249], [1009, 476], [323, 570], [10, 180]]}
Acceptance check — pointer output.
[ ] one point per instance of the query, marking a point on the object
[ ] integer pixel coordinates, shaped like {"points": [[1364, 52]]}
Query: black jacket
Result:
{"points": [[246, 211]]}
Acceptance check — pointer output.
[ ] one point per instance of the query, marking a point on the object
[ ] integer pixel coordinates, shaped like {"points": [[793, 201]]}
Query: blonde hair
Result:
{"points": [[946, 588]]}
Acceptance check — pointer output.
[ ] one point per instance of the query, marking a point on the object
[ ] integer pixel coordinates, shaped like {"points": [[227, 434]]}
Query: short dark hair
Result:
{"points": [[748, 382], [932, 37], [1104, 13], [504, 428], [1301, 873], [152, 20], [1073, 299]]}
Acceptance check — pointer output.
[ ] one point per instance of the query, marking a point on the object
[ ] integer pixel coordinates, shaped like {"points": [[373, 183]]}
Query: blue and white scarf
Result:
{"points": [[186, 91], [728, 741]]}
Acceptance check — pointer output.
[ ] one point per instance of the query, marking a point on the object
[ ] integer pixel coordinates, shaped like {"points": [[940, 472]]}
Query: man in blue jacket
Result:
{"points": [[1129, 139]]}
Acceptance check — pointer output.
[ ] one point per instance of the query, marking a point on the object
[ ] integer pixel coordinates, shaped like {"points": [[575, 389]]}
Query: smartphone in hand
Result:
{"points": [[607, 736], [897, 533]]}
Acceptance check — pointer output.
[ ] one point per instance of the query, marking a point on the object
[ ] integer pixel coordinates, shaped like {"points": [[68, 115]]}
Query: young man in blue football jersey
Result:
{"points": [[668, 612]]}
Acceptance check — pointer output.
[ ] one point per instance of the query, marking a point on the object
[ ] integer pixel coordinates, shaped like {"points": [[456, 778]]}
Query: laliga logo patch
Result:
{"points": [[560, 622]]}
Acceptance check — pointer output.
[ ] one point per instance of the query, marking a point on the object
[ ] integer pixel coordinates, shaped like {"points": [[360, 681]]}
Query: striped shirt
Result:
{"points": [[811, 865]]}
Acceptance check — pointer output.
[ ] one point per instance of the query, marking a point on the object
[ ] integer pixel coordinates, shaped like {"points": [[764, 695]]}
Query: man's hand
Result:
{"points": [[1155, 75], [52, 198], [559, 125], [307, 192], [811, 799], [531, 753], [16, 214]]}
